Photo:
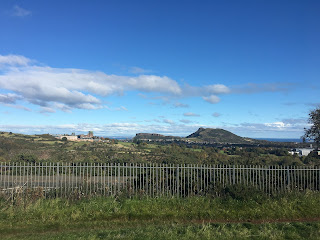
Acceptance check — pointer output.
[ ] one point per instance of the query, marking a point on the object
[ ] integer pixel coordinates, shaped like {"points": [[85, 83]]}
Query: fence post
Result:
{"points": [[57, 178], [234, 176], [178, 180], [288, 178]]}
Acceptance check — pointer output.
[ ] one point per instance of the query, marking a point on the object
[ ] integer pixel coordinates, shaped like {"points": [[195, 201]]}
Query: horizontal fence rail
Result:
{"points": [[61, 179]]}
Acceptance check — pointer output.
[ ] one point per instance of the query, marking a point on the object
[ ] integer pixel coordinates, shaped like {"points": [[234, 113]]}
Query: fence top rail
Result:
{"points": [[161, 166]]}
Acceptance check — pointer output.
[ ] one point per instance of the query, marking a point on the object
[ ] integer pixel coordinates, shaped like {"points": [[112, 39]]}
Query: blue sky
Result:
{"points": [[123, 67]]}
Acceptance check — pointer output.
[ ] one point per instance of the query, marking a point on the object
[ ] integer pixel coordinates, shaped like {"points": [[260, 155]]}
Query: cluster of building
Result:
{"points": [[73, 137], [302, 151]]}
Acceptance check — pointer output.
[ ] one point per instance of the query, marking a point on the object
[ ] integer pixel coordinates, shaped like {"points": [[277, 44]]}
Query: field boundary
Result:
{"points": [[153, 180]]}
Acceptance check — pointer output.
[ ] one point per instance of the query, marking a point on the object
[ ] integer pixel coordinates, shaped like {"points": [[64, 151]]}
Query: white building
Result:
{"points": [[301, 151], [68, 137]]}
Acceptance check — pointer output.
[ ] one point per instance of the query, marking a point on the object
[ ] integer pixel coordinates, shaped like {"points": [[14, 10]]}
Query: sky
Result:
{"points": [[119, 68]]}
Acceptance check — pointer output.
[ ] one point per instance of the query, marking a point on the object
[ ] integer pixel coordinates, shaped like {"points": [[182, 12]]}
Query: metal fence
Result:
{"points": [[152, 179]]}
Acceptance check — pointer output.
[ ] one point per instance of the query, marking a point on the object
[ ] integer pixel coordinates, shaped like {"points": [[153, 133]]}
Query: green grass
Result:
{"points": [[196, 149], [288, 217], [128, 144], [105, 230], [197, 208]]}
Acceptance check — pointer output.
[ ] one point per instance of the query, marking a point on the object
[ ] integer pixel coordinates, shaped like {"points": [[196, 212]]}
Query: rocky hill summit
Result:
{"points": [[216, 135]]}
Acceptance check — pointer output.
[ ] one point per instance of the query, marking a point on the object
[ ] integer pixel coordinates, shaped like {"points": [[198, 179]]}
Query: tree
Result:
{"points": [[26, 158], [313, 133]]}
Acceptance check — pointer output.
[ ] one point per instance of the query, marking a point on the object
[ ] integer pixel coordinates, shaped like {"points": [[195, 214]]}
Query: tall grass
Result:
{"points": [[227, 216], [290, 206], [273, 231]]}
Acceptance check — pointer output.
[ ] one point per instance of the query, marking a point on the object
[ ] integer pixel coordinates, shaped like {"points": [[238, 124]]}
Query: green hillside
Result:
{"points": [[153, 136], [202, 134], [219, 136]]}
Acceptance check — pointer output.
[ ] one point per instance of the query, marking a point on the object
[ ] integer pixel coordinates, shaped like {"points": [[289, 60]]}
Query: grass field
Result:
{"points": [[153, 230], [295, 216]]}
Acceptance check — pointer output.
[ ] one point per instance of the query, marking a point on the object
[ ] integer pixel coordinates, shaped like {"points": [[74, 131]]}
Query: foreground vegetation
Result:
{"points": [[291, 216], [44, 148], [153, 230]]}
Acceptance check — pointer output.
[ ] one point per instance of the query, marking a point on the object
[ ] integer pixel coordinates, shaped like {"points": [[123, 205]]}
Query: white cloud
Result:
{"points": [[9, 98], [208, 90], [18, 107], [35, 78], [180, 105], [47, 110], [88, 106], [251, 88], [152, 83], [212, 99], [168, 121], [62, 107], [279, 125], [20, 12], [73, 88], [66, 89], [122, 108], [14, 60], [191, 114], [185, 121], [216, 114], [286, 128], [217, 89], [294, 121]]}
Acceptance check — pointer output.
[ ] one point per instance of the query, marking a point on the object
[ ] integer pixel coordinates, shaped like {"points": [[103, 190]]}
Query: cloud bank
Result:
{"points": [[66, 89]]}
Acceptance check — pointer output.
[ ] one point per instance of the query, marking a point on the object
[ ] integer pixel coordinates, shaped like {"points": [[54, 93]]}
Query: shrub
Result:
{"points": [[29, 158], [237, 191]]}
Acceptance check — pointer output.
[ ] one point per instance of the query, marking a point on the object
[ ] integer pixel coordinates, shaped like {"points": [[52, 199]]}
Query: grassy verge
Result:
{"points": [[288, 217], [292, 231]]}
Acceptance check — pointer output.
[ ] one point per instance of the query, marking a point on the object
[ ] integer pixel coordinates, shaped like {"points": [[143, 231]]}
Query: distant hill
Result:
{"points": [[153, 136], [201, 135], [212, 136], [219, 136]]}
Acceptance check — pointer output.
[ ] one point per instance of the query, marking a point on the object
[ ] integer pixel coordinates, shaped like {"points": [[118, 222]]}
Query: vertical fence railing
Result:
{"points": [[62, 179]]}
